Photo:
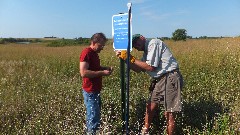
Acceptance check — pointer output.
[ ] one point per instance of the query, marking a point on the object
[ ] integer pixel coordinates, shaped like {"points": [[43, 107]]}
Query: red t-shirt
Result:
{"points": [[91, 57]]}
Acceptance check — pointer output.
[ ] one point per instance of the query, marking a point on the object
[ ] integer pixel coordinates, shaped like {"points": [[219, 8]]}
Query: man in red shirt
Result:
{"points": [[91, 72]]}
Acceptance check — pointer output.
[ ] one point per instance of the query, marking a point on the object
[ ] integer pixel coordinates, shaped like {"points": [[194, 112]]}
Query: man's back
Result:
{"points": [[159, 55]]}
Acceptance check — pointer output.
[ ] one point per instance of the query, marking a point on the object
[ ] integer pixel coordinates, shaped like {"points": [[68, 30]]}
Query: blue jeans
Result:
{"points": [[92, 103]]}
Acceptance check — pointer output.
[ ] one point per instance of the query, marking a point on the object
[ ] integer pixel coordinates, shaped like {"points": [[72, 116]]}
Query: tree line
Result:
{"points": [[177, 35], [13, 40], [181, 34], [69, 42], [51, 43]]}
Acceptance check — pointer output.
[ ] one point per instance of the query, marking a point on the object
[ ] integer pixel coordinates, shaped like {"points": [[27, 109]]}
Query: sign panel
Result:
{"points": [[120, 32]]}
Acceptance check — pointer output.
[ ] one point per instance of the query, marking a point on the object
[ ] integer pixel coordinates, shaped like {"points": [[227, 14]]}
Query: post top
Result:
{"points": [[129, 5]]}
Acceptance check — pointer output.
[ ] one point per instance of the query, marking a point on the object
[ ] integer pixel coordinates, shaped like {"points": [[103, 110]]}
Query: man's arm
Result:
{"points": [[139, 66], [83, 66], [106, 68]]}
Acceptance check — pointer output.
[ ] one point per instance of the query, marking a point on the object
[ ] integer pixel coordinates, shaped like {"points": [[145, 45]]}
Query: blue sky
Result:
{"points": [[151, 18]]}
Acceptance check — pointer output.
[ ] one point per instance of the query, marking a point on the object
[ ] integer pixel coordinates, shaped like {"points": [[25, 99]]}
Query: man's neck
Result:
{"points": [[93, 47]]}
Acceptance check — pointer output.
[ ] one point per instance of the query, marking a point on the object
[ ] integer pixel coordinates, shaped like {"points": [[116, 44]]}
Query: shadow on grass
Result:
{"points": [[195, 115], [198, 114]]}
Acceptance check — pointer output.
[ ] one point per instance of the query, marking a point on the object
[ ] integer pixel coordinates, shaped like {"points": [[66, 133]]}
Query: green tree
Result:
{"points": [[1, 41], [179, 34]]}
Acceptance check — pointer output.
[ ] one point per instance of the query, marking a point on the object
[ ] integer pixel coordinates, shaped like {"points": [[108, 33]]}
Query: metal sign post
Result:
{"points": [[122, 35], [123, 88], [128, 67]]}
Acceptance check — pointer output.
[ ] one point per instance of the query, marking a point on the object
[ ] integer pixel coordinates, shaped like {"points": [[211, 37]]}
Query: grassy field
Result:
{"points": [[40, 89]]}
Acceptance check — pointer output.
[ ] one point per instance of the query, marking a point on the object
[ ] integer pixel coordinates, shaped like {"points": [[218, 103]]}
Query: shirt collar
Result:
{"points": [[146, 45]]}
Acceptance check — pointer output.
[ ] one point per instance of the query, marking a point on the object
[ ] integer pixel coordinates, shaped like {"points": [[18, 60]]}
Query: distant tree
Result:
{"points": [[203, 37], [79, 39], [179, 34], [1, 41], [189, 37], [164, 38], [37, 40]]}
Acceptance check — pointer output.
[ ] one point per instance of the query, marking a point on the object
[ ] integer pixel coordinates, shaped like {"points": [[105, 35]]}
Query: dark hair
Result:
{"points": [[135, 37], [98, 37], [135, 40]]}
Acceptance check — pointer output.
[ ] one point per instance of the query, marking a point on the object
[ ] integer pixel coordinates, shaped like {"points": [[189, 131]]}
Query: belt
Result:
{"points": [[159, 78]]}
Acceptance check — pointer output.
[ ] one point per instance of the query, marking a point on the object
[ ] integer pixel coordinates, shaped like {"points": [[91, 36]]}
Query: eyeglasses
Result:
{"points": [[101, 45]]}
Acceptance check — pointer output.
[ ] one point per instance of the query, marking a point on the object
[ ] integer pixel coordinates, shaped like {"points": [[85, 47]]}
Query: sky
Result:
{"points": [[151, 18]]}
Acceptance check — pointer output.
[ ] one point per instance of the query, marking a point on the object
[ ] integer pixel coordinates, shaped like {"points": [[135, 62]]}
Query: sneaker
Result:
{"points": [[145, 131], [92, 133]]}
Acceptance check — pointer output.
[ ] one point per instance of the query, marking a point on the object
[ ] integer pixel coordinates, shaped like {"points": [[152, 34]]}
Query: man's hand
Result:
{"points": [[107, 70], [123, 55]]}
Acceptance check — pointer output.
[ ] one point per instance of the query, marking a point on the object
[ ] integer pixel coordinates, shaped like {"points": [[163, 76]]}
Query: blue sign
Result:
{"points": [[120, 32]]}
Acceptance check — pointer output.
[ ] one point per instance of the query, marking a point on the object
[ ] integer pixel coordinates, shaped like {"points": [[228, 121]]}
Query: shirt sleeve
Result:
{"points": [[154, 53], [84, 56]]}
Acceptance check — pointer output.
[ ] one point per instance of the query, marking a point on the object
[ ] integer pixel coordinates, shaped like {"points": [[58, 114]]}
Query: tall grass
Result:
{"points": [[40, 89]]}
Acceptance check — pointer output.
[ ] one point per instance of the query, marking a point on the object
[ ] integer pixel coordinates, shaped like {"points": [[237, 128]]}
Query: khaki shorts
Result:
{"points": [[167, 92]]}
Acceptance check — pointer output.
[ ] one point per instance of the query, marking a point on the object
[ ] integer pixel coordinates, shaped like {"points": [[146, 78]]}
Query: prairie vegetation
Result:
{"points": [[40, 89]]}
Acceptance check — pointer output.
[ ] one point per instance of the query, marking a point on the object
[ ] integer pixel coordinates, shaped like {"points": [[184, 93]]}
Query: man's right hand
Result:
{"points": [[118, 53], [123, 55], [107, 72]]}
